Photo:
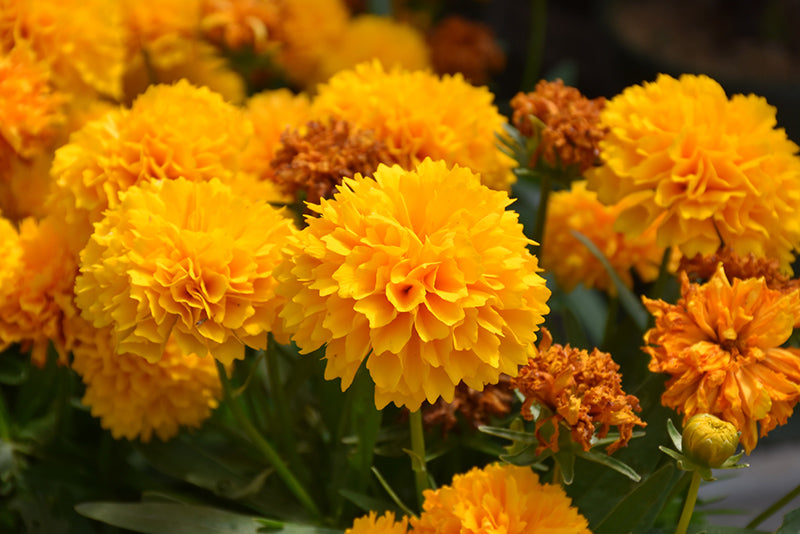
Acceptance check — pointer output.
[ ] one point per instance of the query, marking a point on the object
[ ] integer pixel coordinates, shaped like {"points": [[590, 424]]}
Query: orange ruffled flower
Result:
{"points": [[721, 344], [572, 263], [424, 271], [162, 136], [571, 130], [711, 170], [189, 259], [135, 398], [498, 499], [374, 524], [164, 35], [461, 45], [424, 119], [702, 268], [582, 389]]}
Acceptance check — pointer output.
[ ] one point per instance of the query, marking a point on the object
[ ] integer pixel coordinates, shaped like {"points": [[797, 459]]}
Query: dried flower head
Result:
{"points": [[572, 263], [476, 407], [710, 170], [316, 160], [581, 389], [458, 44], [372, 523], [135, 398], [187, 259], [721, 344], [424, 119], [498, 498], [240, 24], [572, 129], [423, 273], [702, 268]]}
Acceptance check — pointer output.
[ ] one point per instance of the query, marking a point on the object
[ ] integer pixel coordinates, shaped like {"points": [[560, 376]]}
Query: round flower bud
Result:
{"points": [[708, 440]]}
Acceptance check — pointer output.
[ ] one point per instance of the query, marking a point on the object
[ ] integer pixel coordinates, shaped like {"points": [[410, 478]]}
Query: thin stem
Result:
{"points": [[263, 445], [279, 398], [418, 448], [688, 506], [780, 503], [538, 27], [545, 186]]}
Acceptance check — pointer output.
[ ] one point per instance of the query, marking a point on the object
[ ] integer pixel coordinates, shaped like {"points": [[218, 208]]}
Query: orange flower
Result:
{"points": [[374, 524], [476, 407], [581, 389], [721, 344], [702, 268], [461, 45], [237, 24], [498, 499]]}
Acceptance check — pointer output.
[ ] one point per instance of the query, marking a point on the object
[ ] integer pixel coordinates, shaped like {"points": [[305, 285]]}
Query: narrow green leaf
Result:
{"points": [[368, 503], [276, 527], [674, 435], [700, 529], [566, 463], [392, 493], [611, 462], [513, 435], [791, 523], [628, 300], [157, 518]]}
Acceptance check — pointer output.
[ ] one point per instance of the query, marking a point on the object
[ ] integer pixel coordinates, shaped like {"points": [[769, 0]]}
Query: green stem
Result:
{"points": [[545, 186], [780, 503], [538, 29], [263, 445], [688, 506], [418, 448], [279, 398]]}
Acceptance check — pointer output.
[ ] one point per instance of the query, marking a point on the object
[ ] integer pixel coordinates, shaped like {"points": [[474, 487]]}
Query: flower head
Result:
{"points": [[572, 263], [721, 345], [424, 271], [476, 407], [498, 499], [238, 24], [571, 131], [460, 45], [711, 170], [701, 268], [191, 259], [135, 398], [709, 441], [165, 35], [375, 524], [582, 390], [425, 119]]}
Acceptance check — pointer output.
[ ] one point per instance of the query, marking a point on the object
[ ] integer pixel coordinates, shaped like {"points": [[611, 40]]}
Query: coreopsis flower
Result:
{"points": [[310, 29], [708, 441], [162, 136], [36, 294], [135, 398], [31, 109], [712, 171], [423, 273], [458, 44], [701, 268], [571, 124], [425, 119], [164, 35], [721, 344], [239, 24], [83, 41], [190, 259], [366, 37], [316, 161], [498, 499], [582, 390], [372, 523], [476, 407], [572, 263]]}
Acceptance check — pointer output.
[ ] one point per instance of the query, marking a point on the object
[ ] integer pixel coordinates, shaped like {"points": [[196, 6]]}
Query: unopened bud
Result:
{"points": [[708, 441]]}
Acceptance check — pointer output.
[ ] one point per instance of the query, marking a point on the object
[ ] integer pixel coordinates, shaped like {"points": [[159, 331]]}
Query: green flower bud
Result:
{"points": [[708, 441]]}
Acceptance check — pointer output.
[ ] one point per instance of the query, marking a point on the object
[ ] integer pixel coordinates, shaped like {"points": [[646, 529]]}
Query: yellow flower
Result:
{"points": [[498, 499], [162, 136], [165, 34], [238, 24], [709, 441], [713, 171], [425, 118], [722, 345], [374, 524], [424, 271], [366, 37], [569, 259], [184, 258], [83, 41], [135, 398], [31, 109], [581, 389]]}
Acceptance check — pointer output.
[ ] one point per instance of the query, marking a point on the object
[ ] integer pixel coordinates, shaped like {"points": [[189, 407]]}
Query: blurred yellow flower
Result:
{"points": [[572, 263], [372, 523], [135, 398], [367, 37], [184, 258], [422, 272], [713, 171], [165, 34], [419, 114], [240, 24], [498, 499], [162, 136], [722, 345]]}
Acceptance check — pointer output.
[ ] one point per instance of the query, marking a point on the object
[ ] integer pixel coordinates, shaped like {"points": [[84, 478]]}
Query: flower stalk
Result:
{"points": [[418, 463], [688, 505]]}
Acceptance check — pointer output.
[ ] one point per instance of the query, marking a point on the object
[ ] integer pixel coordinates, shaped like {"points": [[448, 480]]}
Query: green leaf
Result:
{"points": [[675, 436], [700, 529], [628, 300], [608, 461], [157, 518], [566, 463], [513, 435], [392, 493], [368, 503], [293, 528], [791, 523]]}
